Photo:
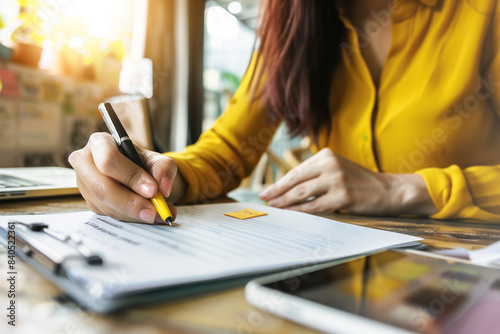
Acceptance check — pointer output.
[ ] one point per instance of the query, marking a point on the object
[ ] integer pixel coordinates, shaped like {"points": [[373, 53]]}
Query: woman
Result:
{"points": [[402, 100]]}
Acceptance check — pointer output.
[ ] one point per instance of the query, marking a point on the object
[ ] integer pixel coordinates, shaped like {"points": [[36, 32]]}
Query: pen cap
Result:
{"points": [[112, 122]]}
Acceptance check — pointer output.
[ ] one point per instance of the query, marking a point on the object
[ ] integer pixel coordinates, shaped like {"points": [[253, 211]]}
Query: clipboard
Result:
{"points": [[120, 302], [52, 268], [105, 265]]}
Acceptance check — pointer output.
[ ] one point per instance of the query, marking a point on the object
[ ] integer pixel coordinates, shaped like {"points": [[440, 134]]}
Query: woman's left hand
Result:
{"points": [[336, 183]]}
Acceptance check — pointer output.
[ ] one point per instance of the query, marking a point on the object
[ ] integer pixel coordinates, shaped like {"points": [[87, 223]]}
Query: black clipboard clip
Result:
{"points": [[55, 265]]}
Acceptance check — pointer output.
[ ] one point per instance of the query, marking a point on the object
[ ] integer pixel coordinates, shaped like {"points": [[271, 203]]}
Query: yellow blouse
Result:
{"points": [[436, 112]]}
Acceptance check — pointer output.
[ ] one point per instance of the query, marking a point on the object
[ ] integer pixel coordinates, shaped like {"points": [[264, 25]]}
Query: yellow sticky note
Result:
{"points": [[245, 214]]}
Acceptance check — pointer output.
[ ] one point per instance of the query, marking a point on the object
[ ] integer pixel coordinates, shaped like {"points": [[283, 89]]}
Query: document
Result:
{"points": [[203, 245], [487, 256]]}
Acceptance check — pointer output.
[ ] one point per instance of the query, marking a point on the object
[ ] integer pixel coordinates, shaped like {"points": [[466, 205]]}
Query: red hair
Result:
{"points": [[299, 48]]}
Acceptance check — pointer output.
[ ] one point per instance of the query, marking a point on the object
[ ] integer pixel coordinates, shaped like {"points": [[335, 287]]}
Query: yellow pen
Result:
{"points": [[128, 149], [162, 208]]}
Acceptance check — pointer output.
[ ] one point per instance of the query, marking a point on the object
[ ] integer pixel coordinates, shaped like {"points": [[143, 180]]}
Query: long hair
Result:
{"points": [[298, 50]]}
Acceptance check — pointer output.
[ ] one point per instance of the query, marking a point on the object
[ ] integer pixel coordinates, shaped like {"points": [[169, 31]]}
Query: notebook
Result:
{"points": [[106, 265], [26, 182]]}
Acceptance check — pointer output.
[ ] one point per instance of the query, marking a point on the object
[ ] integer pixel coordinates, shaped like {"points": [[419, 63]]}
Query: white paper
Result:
{"points": [[460, 253], [205, 244], [488, 256]]}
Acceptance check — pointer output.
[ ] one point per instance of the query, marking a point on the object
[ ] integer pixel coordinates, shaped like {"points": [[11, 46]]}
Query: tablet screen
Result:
{"points": [[411, 291]]}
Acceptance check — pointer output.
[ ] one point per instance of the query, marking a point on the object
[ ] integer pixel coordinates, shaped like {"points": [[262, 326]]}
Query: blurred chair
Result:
{"points": [[269, 169], [296, 155], [272, 167]]}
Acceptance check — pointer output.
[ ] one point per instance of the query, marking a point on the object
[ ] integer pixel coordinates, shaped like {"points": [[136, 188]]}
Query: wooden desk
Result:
{"points": [[43, 308]]}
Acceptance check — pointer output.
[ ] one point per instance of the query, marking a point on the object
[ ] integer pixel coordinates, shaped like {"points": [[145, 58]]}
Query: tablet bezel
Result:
{"points": [[313, 314]]}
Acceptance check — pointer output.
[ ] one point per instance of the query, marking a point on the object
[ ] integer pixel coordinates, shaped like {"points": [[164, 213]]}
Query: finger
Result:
{"points": [[319, 204], [123, 204], [300, 193], [162, 168], [108, 195], [88, 197], [95, 208], [306, 170], [112, 163], [102, 209], [297, 175]]}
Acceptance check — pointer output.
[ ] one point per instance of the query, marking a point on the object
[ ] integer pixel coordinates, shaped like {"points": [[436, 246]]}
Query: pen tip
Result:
{"points": [[168, 220]]}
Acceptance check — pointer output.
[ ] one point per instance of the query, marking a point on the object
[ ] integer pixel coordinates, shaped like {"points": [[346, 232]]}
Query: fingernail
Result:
{"points": [[272, 203], [148, 215], [264, 194], [147, 190]]}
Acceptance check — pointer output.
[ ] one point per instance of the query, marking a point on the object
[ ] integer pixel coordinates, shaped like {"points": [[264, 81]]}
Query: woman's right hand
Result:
{"points": [[114, 186]]}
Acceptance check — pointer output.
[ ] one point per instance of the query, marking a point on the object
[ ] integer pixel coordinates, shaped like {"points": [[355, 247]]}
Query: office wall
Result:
{"points": [[44, 117]]}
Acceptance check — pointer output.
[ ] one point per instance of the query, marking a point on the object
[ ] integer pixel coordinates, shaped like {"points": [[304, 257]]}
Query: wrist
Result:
{"points": [[412, 195]]}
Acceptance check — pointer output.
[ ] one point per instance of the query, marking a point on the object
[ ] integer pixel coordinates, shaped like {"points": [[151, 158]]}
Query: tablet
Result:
{"points": [[388, 292]]}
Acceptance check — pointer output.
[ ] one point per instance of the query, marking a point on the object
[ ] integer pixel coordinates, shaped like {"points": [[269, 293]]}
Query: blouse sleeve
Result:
{"points": [[473, 192], [229, 151]]}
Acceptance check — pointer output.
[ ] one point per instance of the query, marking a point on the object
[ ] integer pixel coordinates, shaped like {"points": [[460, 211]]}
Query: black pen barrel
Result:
{"points": [[130, 152]]}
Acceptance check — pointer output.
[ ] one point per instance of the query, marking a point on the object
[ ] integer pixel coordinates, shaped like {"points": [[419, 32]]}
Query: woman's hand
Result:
{"points": [[336, 183], [113, 185]]}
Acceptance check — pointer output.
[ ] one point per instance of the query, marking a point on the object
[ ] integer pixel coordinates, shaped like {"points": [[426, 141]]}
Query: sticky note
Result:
{"points": [[245, 214]]}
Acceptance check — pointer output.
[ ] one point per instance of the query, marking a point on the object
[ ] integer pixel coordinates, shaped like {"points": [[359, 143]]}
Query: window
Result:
{"points": [[227, 50]]}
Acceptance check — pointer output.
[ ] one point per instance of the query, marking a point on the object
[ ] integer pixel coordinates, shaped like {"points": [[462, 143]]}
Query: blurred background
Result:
{"points": [[60, 58]]}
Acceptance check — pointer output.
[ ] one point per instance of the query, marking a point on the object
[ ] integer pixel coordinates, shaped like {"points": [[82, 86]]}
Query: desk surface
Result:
{"points": [[42, 307]]}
